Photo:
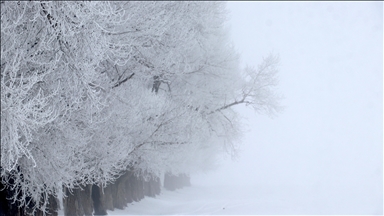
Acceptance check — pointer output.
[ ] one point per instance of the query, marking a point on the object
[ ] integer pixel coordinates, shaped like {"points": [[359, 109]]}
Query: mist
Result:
{"points": [[323, 154], [116, 108], [328, 141]]}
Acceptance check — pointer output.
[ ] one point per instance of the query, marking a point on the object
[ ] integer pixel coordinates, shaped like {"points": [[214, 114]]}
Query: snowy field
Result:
{"points": [[208, 200], [223, 200], [241, 200]]}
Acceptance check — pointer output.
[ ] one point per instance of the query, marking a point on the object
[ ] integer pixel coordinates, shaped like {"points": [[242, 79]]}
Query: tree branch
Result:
{"points": [[231, 104], [123, 81]]}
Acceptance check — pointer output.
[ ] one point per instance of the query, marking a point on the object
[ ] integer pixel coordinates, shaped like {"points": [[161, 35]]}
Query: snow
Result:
{"points": [[207, 199], [243, 200], [200, 200]]}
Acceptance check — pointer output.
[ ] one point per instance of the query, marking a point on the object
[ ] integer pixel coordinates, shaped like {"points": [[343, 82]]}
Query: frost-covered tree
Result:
{"points": [[89, 89], [52, 89], [196, 69]]}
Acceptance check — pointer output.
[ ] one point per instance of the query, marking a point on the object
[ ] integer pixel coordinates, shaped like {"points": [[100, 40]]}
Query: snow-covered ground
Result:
{"points": [[241, 200], [253, 200], [208, 200]]}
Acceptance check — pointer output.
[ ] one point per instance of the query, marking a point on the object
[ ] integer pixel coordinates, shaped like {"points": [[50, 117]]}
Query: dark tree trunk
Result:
{"points": [[52, 207], [90, 200], [129, 188], [79, 202], [99, 208], [106, 197], [7, 207], [147, 188], [140, 188], [135, 188], [169, 182], [126, 189], [157, 186], [152, 187], [118, 192], [173, 182]]}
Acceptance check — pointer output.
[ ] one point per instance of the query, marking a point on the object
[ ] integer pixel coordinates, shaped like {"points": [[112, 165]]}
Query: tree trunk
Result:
{"points": [[7, 207], [126, 189], [52, 207], [98, 205], [169, 183], [152, 187], [79, 202], [118, 192], [173, 182], [106, 197], [129, 188], [157, 186]]}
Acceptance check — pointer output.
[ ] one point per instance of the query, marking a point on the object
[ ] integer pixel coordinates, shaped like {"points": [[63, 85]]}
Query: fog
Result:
{"points": [[324, 153], [328, 140]]}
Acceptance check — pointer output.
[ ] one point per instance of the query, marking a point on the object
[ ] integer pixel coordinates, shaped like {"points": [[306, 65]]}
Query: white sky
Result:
{"points": [[329, 138]]}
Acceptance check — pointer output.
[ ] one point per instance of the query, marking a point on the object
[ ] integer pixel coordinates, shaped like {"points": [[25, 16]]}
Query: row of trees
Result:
{"points": [[89, 89]]}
